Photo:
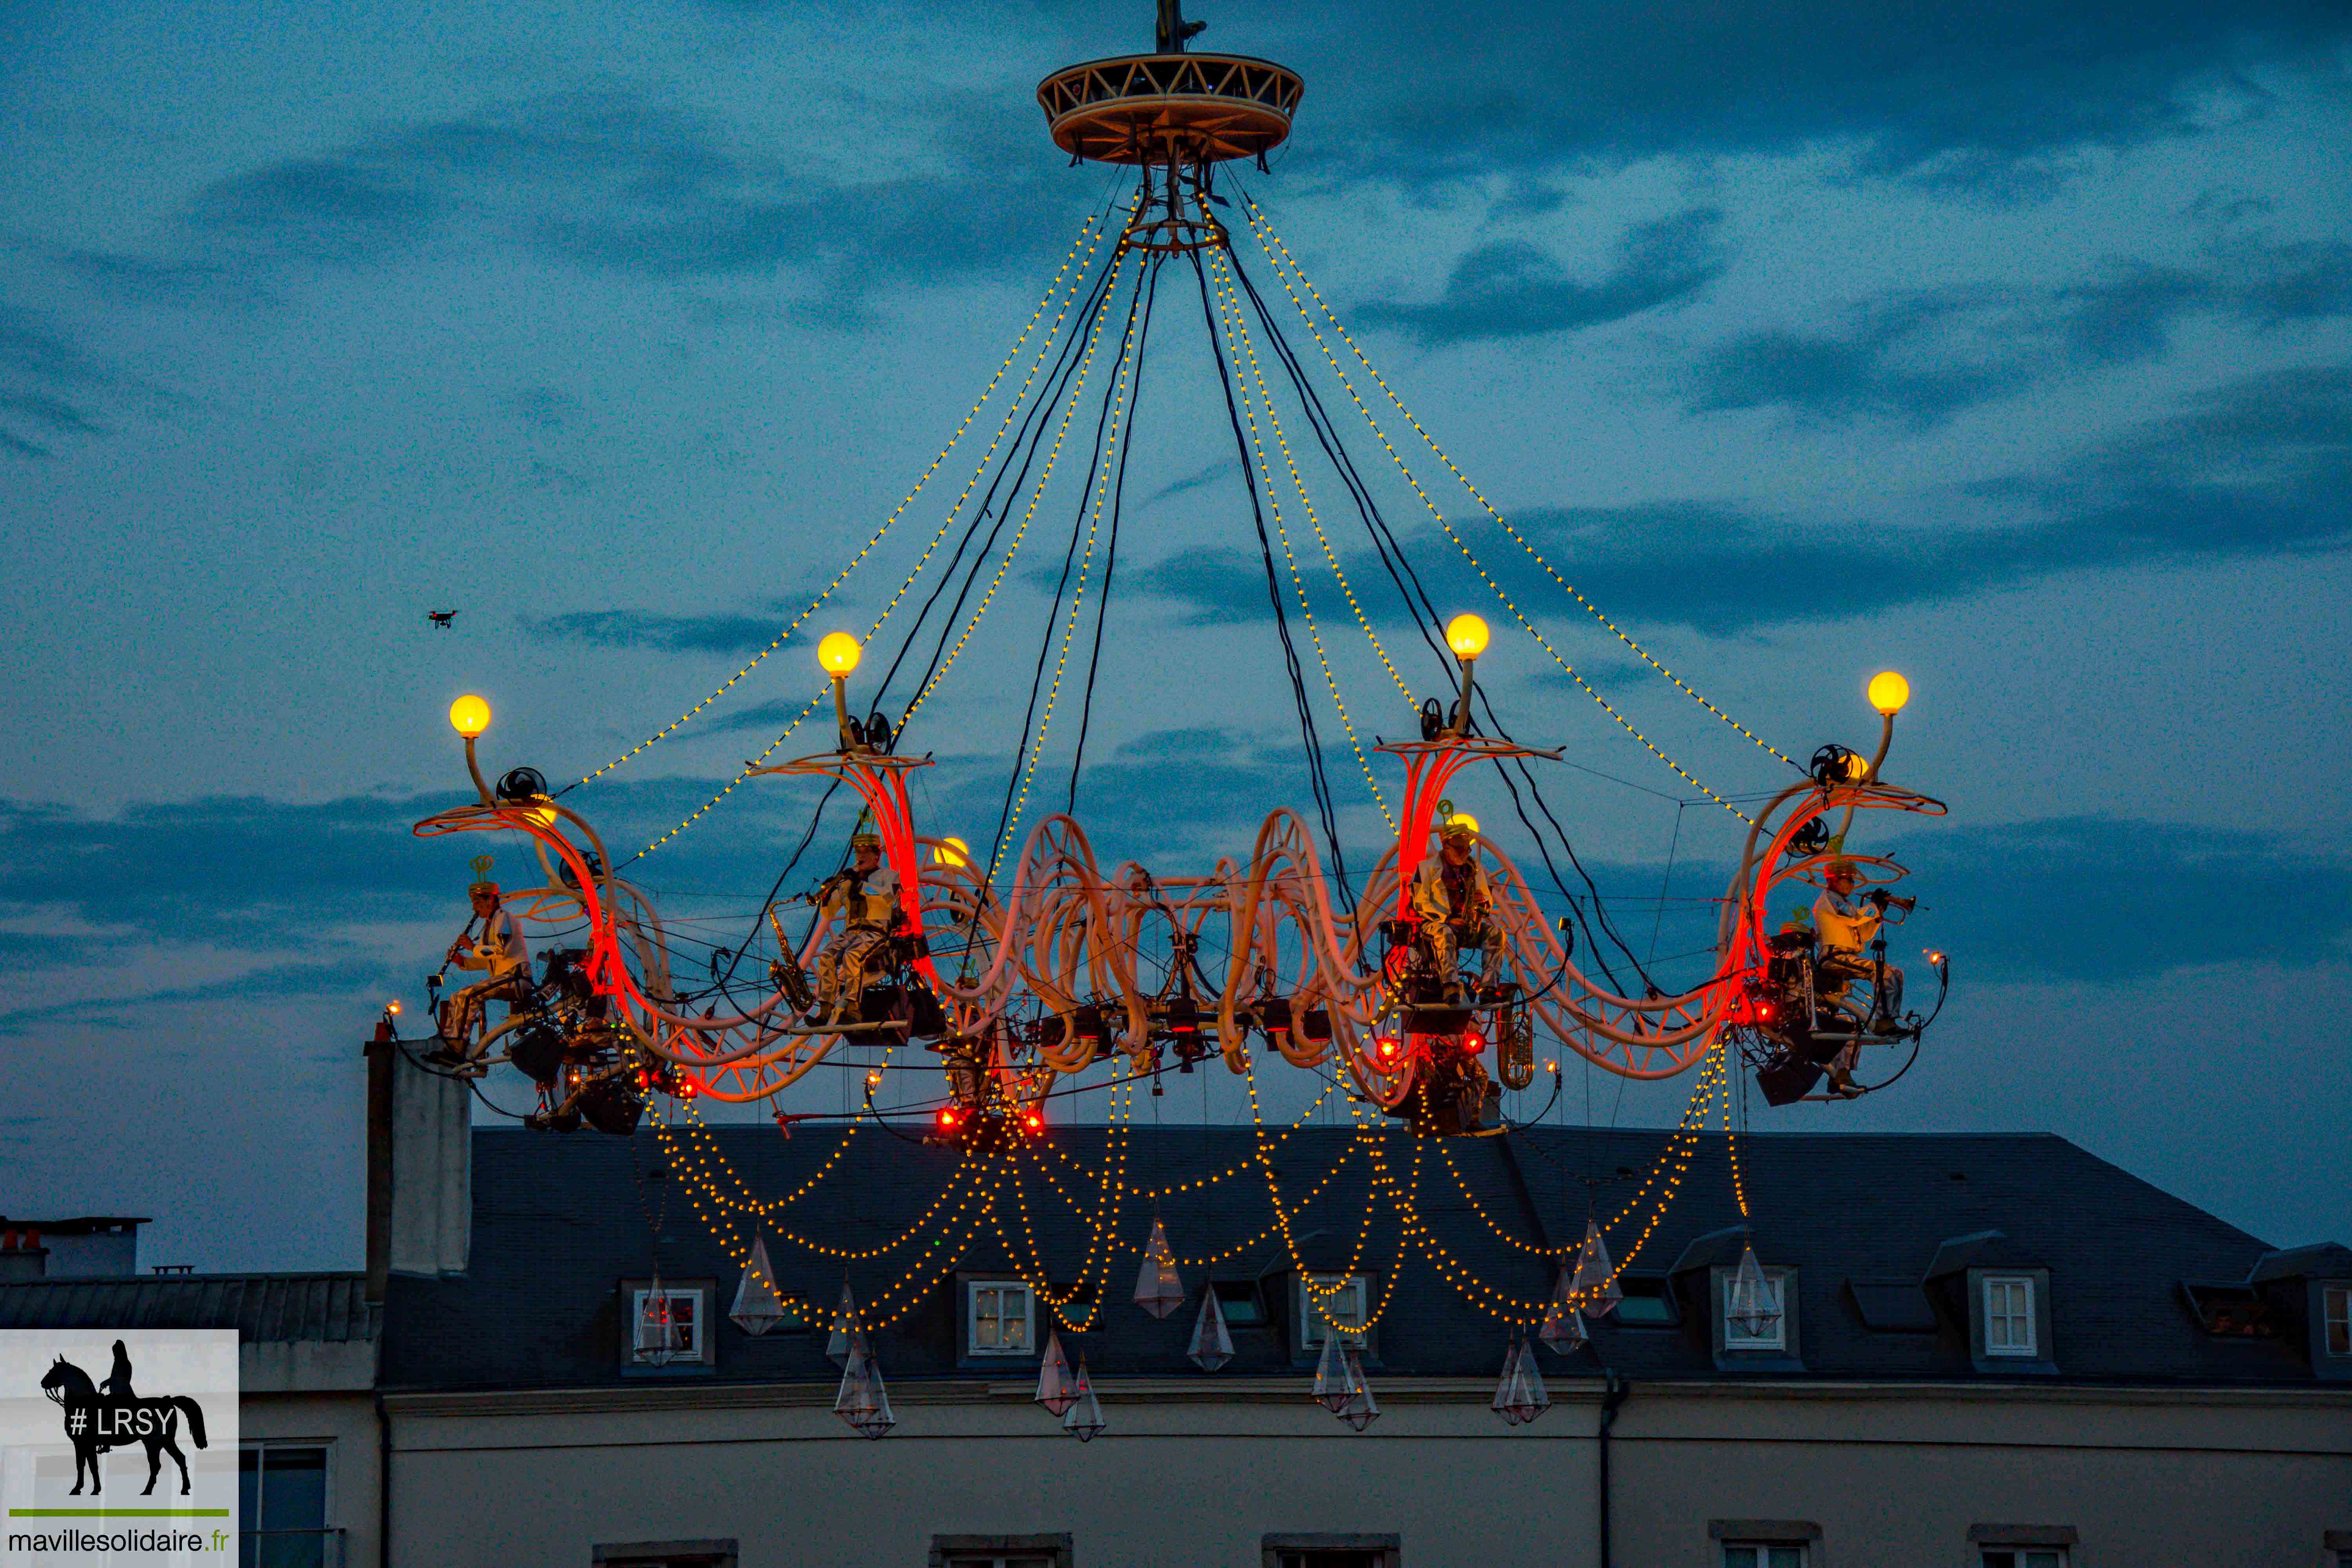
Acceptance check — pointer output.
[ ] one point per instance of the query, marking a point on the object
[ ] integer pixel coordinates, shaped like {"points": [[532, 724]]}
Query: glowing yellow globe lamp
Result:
{"points": [[1466, 635], [951, 852], [469, 716], [1888, 692], [1461, 822], [839, 653]]}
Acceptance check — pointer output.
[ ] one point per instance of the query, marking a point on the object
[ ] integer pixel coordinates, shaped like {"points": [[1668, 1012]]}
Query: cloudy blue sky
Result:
{"points": [[2008, 344]]}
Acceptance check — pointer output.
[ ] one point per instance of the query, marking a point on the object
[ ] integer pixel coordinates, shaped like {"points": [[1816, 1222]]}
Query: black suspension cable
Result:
{"points": [[1110, 555], [1069, 559], [1317, 780]]}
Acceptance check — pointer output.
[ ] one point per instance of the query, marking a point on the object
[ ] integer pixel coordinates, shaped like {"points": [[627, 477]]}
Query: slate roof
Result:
{"points": [[260, 1307], [559, 1221]]}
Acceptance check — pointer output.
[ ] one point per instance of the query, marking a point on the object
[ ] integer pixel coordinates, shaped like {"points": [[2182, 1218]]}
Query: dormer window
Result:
{"points": [[1765, 1329], [2335, 1313], [1330, 1303], [2009, 1316], [1002, 1318]]}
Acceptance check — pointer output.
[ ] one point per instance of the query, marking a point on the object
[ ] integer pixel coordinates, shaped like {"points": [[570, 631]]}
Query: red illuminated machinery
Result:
{"points": [[1027, 968]]}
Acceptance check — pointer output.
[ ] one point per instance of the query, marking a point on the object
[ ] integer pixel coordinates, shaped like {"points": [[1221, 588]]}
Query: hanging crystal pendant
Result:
{"points": [[757, 1308], [1519, 1394], [1331, 1376], [876, 1419], [1085, 1417], [1213, 1345], [864, 1403], [1158, 1288], [845, 1329], [1531, 1384], [1361, 1409], [656, 1330], [855, 1402], [1595, 1283], [1055, 1390], [1563, 1326], [1752, 1307], [1501, 1404]]}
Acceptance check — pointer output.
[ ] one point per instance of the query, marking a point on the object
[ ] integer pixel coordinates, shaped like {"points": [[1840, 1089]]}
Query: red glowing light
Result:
{"points": [[1388, 1045], [1474, 1041], [1033, 1122], [948, 1118]]}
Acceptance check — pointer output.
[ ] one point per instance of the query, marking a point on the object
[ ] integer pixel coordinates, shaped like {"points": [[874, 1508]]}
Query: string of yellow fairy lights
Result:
{"points": [[1045, 349], [1129, 348], [1496, 588], [1272, 242], [1089, 238], [1036, 493], [980, 1176], [1231, 302], [1273, 506]]}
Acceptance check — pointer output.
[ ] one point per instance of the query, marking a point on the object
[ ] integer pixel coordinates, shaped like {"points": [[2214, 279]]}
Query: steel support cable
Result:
{"points": [[1108, 427], [1599, 910], [1036, 494], [1317, 783], [1496, 588], [1087, 239], [1110, 554], [1237, 345], [1424, 615], [1271, 242]]}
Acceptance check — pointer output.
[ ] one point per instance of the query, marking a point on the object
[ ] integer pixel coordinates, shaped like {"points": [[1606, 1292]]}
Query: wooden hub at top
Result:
{"points": [[1171, 108]]}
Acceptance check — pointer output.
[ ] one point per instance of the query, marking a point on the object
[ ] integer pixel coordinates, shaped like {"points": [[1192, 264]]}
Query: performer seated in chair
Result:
{"points": [[1847, 926], [498, 948], [1456, 906], [866, 899]]}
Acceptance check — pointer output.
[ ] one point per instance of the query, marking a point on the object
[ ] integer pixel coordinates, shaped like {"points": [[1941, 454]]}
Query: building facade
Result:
{"points": [[1997, 1352], [1980, 1352]]}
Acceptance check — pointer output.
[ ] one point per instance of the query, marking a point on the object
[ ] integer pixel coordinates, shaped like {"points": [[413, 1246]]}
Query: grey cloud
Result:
{"points": [[1971, 95], [1215, 587], [1510, 289], [669, 634], [2252, 469], [51, 387], [613, 181], [540, 407], [2281, 444], [127, 280], [1917, 357], [2115, 899]]}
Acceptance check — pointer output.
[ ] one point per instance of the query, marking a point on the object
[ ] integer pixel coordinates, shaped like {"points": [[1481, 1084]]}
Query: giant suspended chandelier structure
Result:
{"points": [[1420, 988]]}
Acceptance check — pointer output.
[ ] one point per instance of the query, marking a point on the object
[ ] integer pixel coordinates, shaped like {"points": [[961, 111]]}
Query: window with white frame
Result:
{"points": [[1328, 1302], [666, 1325], [1763, 1554], [2335, 1309], [2009, 1318], [282, 1488], [1751, 1335], [2021, 1557], [1000, 1318]]}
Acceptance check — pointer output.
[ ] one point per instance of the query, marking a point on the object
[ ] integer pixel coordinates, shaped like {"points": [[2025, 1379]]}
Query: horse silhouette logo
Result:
{"points": [[112, 1415]]}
